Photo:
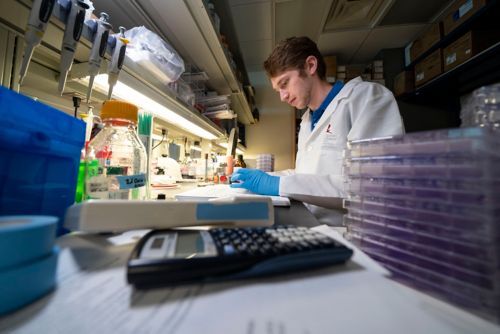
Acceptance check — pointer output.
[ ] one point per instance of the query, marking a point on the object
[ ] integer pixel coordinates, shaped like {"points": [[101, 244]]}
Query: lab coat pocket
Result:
{"points": [[329, 142], [330, 155]]}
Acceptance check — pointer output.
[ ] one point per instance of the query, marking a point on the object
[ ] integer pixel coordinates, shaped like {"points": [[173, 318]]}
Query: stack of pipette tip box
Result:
{"points": [[426, 206]]}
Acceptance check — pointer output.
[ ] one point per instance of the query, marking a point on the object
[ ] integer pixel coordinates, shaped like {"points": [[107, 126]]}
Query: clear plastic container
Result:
{"points": [[460, 229], [480, 259], [442, 167], [479, 300], [479, 192], [456, 272], [151, 54], [465, 142], [486, 106], [453, 216], [431, 205], [119, 155], [482, 303]]}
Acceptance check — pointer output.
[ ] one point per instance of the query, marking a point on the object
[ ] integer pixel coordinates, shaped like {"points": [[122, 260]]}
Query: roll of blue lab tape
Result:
{"points": [[24, 284], [24, 239]]}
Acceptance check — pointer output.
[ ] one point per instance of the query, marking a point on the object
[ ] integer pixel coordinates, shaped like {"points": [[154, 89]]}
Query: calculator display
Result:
{"points": [[185, 245], [189, 244]]}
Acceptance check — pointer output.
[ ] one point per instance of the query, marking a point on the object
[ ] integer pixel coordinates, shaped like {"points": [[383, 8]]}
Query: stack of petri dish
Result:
{"points": [[426, 206], [265, 162]]}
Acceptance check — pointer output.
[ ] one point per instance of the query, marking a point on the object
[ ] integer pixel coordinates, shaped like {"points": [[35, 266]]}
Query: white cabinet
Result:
{"points": [[187, 25]]}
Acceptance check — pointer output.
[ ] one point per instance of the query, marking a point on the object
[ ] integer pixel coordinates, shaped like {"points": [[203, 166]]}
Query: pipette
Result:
{"points": [[98, 49], [37, 23], [117, 59], [89, 123], [74, 26]]}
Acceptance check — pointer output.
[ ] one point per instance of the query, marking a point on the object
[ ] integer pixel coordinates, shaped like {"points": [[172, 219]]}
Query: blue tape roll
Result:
{"points": [[24, 239], [24, 284]]}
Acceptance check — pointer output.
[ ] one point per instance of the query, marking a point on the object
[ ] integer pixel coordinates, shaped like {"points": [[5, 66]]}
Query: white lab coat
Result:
{"points": [[360, 110]]}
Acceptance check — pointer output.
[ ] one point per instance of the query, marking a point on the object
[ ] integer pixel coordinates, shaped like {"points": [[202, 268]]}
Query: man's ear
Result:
{"points": [[311, 65]]}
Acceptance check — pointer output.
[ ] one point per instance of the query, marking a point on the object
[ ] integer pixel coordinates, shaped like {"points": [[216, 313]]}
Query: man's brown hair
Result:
{"points": [[291, 54]]}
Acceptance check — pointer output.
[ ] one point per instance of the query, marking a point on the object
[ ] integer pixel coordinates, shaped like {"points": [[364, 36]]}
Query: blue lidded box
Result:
{"points": [[39, 157]]}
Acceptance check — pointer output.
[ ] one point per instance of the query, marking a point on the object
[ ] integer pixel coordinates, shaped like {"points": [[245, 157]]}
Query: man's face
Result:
{"points": [[294, 88]]}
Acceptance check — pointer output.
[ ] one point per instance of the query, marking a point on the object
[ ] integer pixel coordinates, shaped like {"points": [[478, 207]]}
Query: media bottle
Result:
{"points": [[119, 154], [239, 163]]}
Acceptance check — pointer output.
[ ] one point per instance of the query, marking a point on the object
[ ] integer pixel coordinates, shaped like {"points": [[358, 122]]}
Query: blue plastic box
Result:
{"points": [[39, 157]]}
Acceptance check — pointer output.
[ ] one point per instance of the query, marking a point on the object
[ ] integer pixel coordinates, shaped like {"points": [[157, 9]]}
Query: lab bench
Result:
{"points": [[92, 296]]}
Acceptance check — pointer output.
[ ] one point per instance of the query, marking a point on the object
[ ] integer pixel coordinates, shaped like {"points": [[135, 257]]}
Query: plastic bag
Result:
{"points": [[147, 50]]}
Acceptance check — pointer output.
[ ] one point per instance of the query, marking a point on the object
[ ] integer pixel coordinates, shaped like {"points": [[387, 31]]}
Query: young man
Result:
{"points": [[335, 115]]}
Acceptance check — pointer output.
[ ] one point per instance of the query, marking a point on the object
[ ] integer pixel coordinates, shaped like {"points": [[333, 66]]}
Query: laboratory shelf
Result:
{"points": [[479, 20], [480, 70], [158, 91], [206, 28], [190, 30]]}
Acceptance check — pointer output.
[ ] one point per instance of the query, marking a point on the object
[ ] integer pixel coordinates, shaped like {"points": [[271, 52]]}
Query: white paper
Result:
{"points": [[129, 237], [93, 297], [224, 190]]}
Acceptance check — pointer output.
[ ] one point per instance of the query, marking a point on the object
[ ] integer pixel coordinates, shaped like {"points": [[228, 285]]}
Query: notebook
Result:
{"points": [[224, 190]]}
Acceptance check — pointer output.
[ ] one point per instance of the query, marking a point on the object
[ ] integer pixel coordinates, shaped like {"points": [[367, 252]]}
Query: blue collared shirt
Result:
{"points": [[316, 114]]}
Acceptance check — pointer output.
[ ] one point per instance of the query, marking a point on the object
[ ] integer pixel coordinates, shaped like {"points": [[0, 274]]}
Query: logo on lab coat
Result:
{"points": [[329, 141]]}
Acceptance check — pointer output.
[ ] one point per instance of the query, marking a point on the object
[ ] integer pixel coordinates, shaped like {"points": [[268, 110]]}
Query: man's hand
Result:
{"points": [[256, 181]]}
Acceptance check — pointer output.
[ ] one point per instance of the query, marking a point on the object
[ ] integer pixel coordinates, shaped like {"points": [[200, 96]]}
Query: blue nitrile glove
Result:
{"points": [[256, 181]]}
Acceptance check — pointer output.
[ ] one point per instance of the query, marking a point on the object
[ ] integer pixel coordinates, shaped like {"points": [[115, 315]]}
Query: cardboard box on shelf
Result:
{"points": [[331, 65], [408, 58], [366, 76], [377, 76], [427, 40], [467, 46], [416, 49], [353, 71], [432, 36], [381, 82], [459, 12], [404, 82], [429, 68], [378, 63]]}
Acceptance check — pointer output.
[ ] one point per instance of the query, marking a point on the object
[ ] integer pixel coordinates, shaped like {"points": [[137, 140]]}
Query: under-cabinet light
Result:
{"points": [[224, 145], [124, 92]]}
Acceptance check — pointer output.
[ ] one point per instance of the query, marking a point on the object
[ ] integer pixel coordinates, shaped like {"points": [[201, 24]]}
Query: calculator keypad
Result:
{"points": [[269, 241]]}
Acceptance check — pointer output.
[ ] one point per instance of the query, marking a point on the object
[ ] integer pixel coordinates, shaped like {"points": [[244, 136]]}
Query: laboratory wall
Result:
{"points": [[274, 133]]}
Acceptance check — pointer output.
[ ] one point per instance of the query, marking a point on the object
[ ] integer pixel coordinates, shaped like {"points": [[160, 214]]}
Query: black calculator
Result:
{"points": [[180, 256]]}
